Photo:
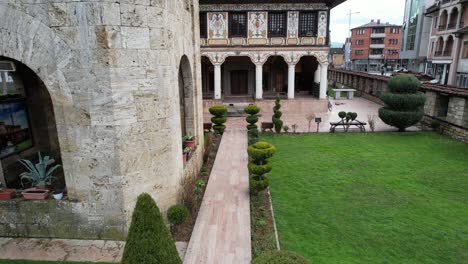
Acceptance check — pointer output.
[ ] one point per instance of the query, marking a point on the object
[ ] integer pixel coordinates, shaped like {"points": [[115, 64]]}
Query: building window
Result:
{"points": [[392, 52], [376, 52], [395, 30], [360, 31], [203, 28], [465, 50], [378, 30], [277, 24], [359, 52], [238, 25], [308, 24], [359, 42], [393, 41], [377, 41]]}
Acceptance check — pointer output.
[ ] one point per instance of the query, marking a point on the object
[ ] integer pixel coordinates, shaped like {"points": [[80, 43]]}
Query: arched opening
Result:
{"points": [[27, 124], [238, 77], [448, 46], [453, 19], [307, 77], [275, 77], [186, 97], [439, 47], [443, 20], [207, 78]]}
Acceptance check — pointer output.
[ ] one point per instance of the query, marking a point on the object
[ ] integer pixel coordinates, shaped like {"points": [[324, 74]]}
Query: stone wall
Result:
{"points": [[445, 104], [111, 69]]}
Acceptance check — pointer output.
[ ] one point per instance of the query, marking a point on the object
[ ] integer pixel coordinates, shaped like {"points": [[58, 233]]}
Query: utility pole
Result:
{"points": [[349, 37]]}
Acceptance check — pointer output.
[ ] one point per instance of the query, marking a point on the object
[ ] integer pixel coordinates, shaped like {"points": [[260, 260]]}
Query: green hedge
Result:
{"points": [[280, 257], [177, 214], [149, 241], [404, 101], [261, 151], [404, 84], [219, 112], [400, 119]]}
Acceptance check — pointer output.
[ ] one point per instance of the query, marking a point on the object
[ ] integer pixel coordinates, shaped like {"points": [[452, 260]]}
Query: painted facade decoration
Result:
{"points": [[258, 25], [322, 24], [218, 25], [293, 24]]}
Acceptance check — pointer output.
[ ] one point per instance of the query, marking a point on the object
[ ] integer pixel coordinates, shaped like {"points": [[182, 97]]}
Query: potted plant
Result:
{"points": [[189, 141], [40, 176], [6, 194], [185, 154]]}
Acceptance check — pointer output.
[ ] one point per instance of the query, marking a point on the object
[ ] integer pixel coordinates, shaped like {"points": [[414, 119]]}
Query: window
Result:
{"points": [[308, 24], [465, 50], [377, 41], [277, 24], [203, 29], [376, 52], [238, 25], [378, 30], [395, 30], [393, 41], [392, 52], [359, 42], [359, 52], [360, 31]]}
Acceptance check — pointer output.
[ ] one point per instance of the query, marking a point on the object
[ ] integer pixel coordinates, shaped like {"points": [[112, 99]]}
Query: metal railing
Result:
{"points": [[451, 26], [447, 53], [442, 27], [438, 53]]}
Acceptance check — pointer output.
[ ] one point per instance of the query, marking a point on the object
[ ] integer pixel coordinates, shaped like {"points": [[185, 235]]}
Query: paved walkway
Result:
{"points": [[222, 231]]}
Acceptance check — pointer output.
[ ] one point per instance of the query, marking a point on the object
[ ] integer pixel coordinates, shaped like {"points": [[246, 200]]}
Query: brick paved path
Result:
{"points": [[222, 231]]}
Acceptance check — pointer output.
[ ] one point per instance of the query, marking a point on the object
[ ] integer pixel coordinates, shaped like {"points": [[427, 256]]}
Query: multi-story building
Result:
{"points": [[447, 53], [374, 46], [416, 33], [347, 54], [336, 58], [258, 49]]}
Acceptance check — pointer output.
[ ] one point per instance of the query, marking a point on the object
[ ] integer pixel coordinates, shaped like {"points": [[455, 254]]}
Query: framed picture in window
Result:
{"points": [[15, 133]]}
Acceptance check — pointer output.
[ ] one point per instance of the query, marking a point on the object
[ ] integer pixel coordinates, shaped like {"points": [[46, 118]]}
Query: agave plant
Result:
{"points": [[39, 174]]}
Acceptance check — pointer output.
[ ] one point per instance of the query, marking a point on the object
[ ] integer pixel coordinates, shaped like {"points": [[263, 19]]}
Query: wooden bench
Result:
{"points": [[267, 125], [346, 126], [338, 93], [207, 127]]}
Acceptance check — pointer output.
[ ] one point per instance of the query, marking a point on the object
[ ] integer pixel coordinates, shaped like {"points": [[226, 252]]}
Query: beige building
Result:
{"points": [[107, 88]]}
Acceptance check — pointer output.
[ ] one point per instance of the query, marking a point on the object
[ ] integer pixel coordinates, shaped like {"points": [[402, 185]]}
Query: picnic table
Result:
{"points": [[347, 125]]}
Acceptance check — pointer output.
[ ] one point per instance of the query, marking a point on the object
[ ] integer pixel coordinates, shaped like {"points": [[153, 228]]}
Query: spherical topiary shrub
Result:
{"points": [[276, 119], [280, 257], [252, 110], [219, 112], [253, 136], [177, 214], [404, 103], [259, 165], [148, 240]]}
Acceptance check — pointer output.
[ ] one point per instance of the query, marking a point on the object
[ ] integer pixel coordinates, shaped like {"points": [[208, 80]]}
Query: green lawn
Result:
{"points": [[372, 198]]}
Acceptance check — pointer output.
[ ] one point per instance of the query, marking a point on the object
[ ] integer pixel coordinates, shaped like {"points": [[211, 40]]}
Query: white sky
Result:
{"points": [[386, 10]]}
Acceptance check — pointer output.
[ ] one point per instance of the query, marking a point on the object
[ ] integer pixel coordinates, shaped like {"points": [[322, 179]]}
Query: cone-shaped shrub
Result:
{"points": [[404, 103], [252, 110], [280, 257], [149, 241], [259, 165], [219, 112], [277, 115]]}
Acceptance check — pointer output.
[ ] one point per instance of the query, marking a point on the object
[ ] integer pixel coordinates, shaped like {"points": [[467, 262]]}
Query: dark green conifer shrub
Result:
{"points": [[177, 214], [148, 240], [404, 103], [280, 257], [259, 165], [276, 119], [253, 136], [252, 110], [219, 119]]}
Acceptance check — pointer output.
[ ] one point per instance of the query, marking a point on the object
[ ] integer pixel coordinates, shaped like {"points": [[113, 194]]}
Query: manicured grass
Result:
{"points": [[5, 261], [372, 198]]}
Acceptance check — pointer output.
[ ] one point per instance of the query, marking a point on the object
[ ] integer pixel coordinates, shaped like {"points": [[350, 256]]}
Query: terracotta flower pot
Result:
{"points": [[35, 194], [190, 143], [7, 194]]}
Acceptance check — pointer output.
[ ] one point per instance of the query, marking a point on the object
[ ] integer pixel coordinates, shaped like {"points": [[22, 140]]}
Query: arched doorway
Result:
{"points": [[238, 77], [186, 101], [207, 78], [275, 77], [27, 123], [306, 77]]}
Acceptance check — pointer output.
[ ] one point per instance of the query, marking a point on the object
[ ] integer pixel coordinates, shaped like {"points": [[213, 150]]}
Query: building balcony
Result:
{"points": [[377, 46], [451, 26], [377, 35], [376, 56], [437, 53], [442, 27], [447, 53]]}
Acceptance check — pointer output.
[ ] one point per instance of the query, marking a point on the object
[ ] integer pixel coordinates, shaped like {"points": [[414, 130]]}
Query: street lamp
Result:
{"points": [[349, 37]]}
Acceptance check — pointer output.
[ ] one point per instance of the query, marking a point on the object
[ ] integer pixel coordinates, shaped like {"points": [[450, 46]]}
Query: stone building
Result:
{"points": [[375, 45], [107, 88], [253, 50]]}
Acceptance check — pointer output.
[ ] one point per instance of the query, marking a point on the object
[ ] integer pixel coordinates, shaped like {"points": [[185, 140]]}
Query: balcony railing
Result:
{"points": [[445, 2], [451, 26], [442, 27], [438, 53], [447, 53]]}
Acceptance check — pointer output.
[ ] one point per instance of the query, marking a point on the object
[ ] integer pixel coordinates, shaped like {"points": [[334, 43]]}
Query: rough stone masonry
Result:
{"points": [[112, 71]]}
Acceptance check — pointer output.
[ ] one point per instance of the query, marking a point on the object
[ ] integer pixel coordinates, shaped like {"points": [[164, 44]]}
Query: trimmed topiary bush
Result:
{"points": [[259, 165], [277, 115], [280, 257], [253, 136], [252, 110], [177, 214], [148, 240], [404, 103], [219, 119]]}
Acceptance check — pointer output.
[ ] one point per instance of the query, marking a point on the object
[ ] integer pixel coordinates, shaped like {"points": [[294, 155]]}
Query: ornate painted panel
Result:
{"points": [[218, 25], [293, 24], [258, 24], [322, 24]]}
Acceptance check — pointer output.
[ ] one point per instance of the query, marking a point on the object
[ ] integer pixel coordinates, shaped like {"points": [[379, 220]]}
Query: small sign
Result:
{"points": [[318, 120]]}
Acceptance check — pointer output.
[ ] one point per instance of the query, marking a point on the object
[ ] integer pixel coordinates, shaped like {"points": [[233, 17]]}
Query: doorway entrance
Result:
{"points": [[239, 82]]}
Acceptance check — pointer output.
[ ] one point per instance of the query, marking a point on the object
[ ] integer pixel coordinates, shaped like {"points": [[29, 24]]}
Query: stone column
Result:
{"points": [[291, 80], [258, 81], [323, 80], [217, 81], [317, 75]]}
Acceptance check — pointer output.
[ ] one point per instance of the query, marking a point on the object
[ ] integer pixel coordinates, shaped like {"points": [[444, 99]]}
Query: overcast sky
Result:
{"points": [[385, 10]]}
